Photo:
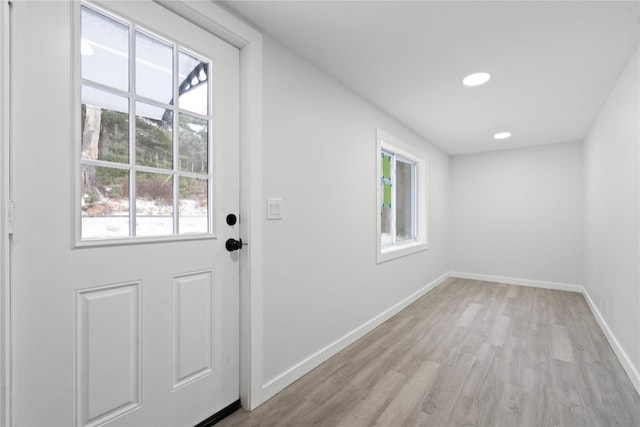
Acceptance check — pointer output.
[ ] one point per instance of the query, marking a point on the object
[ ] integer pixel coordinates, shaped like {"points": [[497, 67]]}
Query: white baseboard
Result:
{"points": [[631, 371], [278, 383], [518, 282]]}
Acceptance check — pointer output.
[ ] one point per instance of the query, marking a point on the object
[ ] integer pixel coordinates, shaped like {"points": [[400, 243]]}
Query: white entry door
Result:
{"points": [[125, 166]]}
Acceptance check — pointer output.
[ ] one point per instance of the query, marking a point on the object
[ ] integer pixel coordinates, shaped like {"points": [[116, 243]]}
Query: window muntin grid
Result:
{"points": [[145, 160]]}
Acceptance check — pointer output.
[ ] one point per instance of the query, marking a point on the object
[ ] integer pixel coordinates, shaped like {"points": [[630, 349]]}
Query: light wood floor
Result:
{"points": [[467, 354]]}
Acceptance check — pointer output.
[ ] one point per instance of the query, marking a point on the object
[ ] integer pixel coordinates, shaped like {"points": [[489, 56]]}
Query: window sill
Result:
{"points": [[401, 250], [125, 241]]}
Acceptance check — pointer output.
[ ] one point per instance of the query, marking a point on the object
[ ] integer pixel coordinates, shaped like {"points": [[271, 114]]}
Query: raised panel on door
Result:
{"points": [[192, 326], [108, 373]]}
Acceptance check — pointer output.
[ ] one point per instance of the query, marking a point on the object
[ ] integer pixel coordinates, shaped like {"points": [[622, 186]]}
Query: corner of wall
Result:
{"points": [[622, 355], [611, 226]]}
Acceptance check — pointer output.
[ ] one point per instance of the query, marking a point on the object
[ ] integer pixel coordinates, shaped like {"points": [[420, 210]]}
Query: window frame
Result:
{"points": [[133, 98], [403, 152]]}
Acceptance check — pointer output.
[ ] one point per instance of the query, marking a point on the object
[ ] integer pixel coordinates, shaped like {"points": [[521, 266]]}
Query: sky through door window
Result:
{"points": [[401, 213], [145, 118]]}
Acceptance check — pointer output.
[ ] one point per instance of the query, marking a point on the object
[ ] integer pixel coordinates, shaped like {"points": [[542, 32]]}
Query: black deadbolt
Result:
{"points": [[232, 219], [233, 244]]}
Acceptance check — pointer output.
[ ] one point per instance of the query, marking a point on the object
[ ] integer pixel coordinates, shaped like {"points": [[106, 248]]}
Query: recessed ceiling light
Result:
{"points": [[502, 135], [476, 79]]}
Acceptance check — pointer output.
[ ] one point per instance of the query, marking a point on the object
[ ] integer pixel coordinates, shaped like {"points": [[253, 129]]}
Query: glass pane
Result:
{"points": [[193, 143], [194, 207], [154, 140], [194, 84], [104, 49], [386, 237], [154, 204], [105, 126], [105, 203], [387, 184], [154, 68], [404, 201], [386, 220]]}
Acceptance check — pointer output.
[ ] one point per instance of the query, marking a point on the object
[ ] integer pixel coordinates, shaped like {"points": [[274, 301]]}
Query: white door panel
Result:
{"points": [[127, 334]]}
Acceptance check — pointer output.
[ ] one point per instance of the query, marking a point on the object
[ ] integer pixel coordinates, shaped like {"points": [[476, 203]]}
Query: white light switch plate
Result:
{"points": [[274, 208]]}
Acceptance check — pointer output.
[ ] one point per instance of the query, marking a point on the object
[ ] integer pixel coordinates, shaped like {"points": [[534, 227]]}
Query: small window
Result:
{"points": [[401, 192], [145, 138]]}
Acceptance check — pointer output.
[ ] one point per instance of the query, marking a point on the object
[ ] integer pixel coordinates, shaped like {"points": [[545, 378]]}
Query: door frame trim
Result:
{"points": [[5, 283], [223, 24]]}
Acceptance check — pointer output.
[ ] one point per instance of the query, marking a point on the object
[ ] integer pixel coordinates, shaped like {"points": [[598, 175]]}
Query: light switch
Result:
{"points": [[274, 208]]}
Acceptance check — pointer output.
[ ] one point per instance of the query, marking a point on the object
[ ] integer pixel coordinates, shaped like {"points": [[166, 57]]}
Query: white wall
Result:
{"points": [[321, 280], [612, 213], [518, 214], [4, 187]]}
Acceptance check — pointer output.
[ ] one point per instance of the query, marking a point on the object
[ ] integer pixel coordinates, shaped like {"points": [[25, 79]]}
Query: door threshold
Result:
{"points": [[220, 415]]}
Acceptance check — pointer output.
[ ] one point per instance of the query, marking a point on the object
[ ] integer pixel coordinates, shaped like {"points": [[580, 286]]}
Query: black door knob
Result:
{"points": [[233, 244]]}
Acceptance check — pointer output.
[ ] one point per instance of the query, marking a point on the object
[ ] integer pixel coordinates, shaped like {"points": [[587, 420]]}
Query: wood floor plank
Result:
{"points": [[468, 316], [535, 403], [369, 409], [441, 398], [468, 353], [500, 330], [406, 402], [334, 408], [561, 347]]}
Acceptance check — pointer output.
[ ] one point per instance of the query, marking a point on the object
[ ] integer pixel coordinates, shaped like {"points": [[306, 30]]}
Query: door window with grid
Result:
{"points": [[145, 160]]}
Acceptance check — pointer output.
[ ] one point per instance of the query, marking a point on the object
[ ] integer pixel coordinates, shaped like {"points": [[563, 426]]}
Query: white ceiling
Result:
{"points": [[553, 63]]}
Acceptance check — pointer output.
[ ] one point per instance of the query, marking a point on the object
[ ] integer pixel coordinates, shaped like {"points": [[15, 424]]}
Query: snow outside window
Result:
{"points": [[145, 162]]}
